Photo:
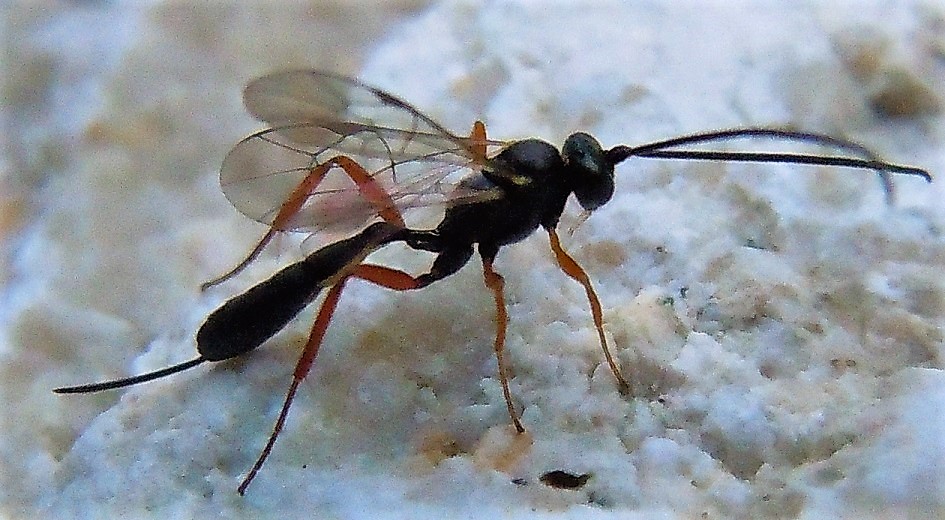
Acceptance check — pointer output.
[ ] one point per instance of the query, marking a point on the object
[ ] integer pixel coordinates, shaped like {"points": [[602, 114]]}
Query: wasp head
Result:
{"points": [[590, 172]]}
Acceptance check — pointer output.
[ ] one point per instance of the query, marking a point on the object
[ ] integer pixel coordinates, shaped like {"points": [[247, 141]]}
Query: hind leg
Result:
{"points": [[370, 189]]}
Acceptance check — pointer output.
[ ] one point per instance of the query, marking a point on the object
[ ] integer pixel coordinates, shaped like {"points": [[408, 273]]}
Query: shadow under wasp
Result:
{"points": [[397, 159]]}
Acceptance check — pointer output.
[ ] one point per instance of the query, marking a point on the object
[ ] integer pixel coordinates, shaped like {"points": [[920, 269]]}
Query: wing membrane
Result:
{"points": [[316, 116]]}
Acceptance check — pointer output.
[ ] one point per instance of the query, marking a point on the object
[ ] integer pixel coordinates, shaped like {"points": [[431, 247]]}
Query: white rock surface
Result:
{"points": [[782, 325]]}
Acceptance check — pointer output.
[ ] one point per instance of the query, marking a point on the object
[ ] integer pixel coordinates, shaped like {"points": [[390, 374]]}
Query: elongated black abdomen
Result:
{"points": [[246, 321]]}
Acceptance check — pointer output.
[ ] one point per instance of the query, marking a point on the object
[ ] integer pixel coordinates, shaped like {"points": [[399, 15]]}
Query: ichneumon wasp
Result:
{"points": [[396, 160]]}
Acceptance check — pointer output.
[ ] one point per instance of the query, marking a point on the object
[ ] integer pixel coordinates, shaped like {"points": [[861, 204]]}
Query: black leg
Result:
{"points": [[447, 262]]}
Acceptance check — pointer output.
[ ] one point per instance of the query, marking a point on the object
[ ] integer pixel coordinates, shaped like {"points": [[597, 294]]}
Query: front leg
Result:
{"points": [[575, 271]]}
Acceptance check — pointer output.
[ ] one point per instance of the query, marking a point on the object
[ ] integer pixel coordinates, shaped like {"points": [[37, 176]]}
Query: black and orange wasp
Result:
{"points": [[396, 159]]}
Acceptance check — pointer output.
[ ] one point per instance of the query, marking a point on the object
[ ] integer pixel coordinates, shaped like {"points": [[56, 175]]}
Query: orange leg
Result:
{"points": [[495, 282], [369, 188], [572, 269], [301, 370], [477, 138], [379, 275]]}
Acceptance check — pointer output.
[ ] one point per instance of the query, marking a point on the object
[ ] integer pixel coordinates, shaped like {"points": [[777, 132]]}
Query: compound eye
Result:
{"points": [[591, 174]]}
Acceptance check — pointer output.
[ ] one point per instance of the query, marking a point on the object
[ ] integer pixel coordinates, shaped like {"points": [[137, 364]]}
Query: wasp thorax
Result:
{"points": [[589, 171], [523, 162]]}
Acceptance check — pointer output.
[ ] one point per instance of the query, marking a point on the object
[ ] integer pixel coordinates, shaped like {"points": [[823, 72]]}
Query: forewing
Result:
{"points": [[336, 105], [316, 116]]}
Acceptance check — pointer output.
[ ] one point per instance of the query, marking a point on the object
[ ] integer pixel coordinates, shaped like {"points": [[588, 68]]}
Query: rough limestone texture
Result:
{"points": [[781, 325]]}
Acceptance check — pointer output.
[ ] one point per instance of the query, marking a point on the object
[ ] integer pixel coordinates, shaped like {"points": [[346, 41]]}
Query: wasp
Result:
{"points": [[341, 156]]}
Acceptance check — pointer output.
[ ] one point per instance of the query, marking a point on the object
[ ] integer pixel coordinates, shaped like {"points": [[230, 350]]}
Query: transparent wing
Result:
{"points": [[316, 116]]}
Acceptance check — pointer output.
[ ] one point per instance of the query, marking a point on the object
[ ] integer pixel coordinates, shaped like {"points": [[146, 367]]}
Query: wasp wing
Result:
{"points": [[316, 116]]}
